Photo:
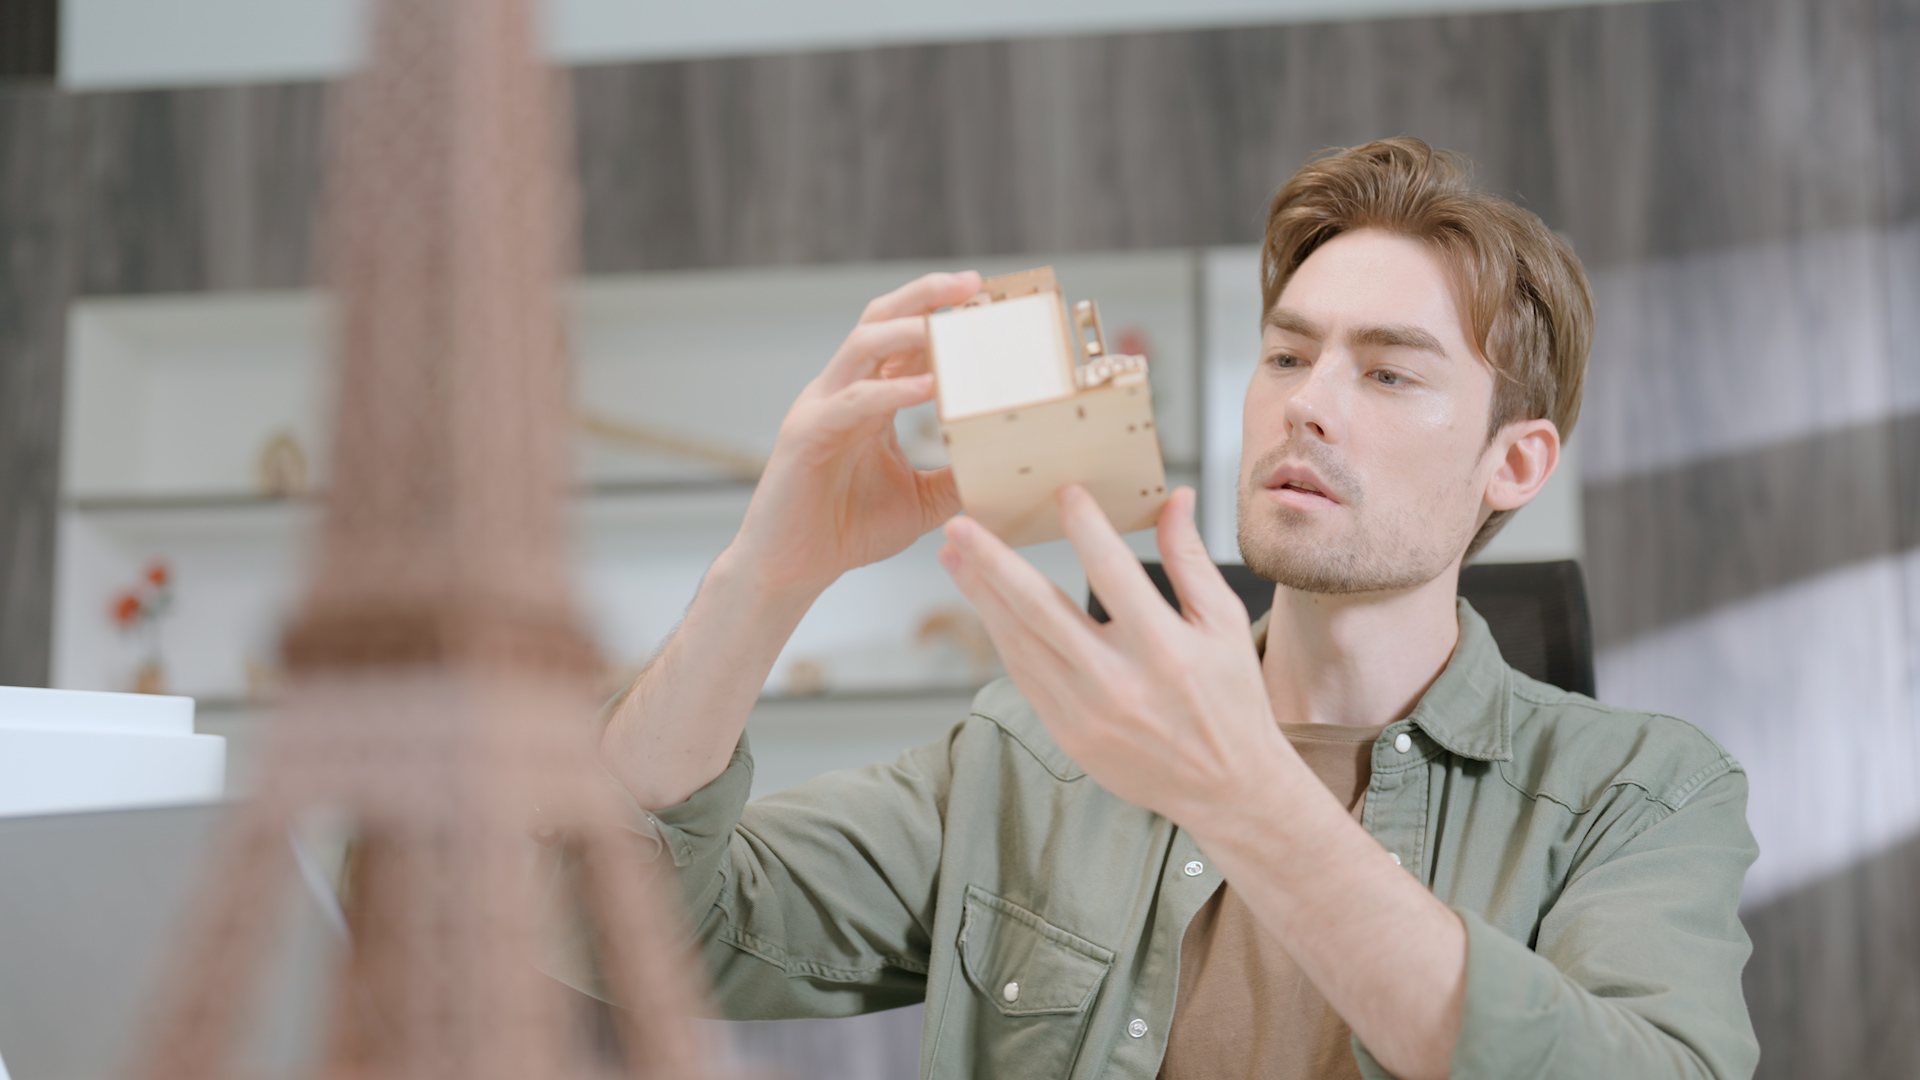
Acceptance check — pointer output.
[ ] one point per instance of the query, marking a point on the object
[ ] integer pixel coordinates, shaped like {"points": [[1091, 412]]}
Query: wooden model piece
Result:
{"points": [[1023, 416], [439, 694]]}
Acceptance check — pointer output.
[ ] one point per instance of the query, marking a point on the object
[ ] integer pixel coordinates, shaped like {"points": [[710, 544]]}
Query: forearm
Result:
{"points": [[676, 728], [1387, 955]]}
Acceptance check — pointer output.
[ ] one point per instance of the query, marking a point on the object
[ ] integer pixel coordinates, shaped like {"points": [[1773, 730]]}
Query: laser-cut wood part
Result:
{"points": [[1031, 401]]}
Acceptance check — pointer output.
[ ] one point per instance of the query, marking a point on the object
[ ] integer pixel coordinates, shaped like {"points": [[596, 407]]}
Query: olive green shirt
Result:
{"points": [[1595, 855]]}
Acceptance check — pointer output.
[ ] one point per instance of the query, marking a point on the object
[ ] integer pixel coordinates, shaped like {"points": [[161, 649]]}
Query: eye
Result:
{"points": [[1389, 377], [1284, 360]]}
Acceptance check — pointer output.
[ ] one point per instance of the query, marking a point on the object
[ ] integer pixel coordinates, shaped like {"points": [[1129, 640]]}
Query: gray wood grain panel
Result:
{"points": [[1897, 28], [1594, 117], [36, 129], [1704, 125], [1834, 983], [1665, 546], [197, 189], [1899, 113], [1597, 118]]}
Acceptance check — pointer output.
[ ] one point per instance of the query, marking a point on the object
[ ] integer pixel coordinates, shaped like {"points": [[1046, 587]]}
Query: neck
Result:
{"points": [[1362, 659]]}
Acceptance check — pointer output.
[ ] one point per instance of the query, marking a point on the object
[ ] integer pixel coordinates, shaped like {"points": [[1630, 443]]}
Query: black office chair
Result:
{"points": [[1537, 612]]}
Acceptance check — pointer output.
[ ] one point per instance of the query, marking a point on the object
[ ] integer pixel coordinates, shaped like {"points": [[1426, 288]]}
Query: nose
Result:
{"points": [[1316, 403]]}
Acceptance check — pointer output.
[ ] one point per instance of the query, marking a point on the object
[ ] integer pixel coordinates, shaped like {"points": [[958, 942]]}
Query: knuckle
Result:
{"points": [[861, 338]]}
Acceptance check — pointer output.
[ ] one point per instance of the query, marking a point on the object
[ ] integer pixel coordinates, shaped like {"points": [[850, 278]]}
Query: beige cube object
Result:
{"points": [[1023, 416]]}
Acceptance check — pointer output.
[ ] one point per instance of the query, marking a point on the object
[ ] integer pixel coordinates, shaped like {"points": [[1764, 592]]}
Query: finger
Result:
{"points": [[1205, 596], [939, 494], [922, 295], [872, 345], [1029, 658], [1027, 593], [873, 399], [1114, 573]]}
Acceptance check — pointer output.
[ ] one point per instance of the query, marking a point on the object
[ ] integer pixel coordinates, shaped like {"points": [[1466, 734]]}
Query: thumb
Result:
{"points": [[1205, 596], [939, 495]]}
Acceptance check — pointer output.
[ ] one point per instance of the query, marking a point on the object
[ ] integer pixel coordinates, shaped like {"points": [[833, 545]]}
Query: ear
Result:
{"points": [[1525, 454]]}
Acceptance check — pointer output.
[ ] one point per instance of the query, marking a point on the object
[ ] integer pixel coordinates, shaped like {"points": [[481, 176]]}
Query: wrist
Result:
{"points": [[1276, 803], [744, 582]]}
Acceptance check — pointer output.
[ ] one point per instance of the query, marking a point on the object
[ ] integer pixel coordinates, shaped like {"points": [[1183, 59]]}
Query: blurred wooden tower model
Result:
{"points": [[1024, 417], [439, 687]]}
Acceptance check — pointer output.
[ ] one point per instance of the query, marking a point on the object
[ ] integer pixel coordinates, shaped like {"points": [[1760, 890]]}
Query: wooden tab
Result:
{"points": [[1022, 283]]}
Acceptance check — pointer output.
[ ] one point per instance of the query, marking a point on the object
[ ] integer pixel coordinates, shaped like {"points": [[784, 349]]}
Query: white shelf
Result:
{"points": [[170, 400]]}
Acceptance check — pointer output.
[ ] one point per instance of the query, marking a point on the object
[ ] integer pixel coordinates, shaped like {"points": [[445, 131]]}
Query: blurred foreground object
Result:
{"points": [[71, 750], [1024, 416], [440, 693]]}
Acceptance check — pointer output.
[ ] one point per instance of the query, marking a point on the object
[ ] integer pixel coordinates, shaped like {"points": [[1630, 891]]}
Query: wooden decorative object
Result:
{"points": [[281, 471], [739, 464], [1030, 401], [439, 696], [963, 628]]}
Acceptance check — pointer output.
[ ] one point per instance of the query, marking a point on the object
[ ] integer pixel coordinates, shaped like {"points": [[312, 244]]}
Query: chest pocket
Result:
{"points": [[1037, 981]]}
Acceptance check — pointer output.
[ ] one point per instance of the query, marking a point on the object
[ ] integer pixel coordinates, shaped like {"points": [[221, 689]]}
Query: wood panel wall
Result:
{"points": [[36, 229], [1742, 178]]}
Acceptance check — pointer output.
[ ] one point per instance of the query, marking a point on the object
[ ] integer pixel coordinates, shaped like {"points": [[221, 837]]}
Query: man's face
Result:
{"points": [[1364, 457]]}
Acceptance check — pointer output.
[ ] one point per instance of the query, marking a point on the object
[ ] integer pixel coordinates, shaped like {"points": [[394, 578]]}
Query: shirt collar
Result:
{"points": [[1468, 709]]}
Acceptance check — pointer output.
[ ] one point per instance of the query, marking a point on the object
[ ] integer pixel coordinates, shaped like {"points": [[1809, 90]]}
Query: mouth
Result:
{"points": [[1300, 487]]}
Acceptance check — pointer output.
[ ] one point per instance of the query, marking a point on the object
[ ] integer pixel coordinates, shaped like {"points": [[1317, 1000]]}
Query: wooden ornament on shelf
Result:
{"points": [[961, 627], [739, 464], [439, 694], [1030, 401], [281, 470]]}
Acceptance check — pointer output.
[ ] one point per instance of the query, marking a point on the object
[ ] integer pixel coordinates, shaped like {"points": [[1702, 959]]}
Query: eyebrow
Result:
{"points": [[1390, 336], [1398, 336], [1289, 321]]}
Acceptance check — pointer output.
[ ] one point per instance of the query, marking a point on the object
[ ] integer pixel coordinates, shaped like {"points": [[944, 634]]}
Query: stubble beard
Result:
{"points": [[1382, 552]]}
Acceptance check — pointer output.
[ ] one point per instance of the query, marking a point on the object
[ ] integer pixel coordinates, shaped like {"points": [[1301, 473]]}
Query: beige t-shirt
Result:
{"points": [[1245, 1009]]}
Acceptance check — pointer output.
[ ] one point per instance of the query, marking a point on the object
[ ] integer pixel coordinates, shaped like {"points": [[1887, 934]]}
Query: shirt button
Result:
{"points": [[1403, 742], [1194, 868], [1011, 991], [1138, 1028], [1392, 854]]}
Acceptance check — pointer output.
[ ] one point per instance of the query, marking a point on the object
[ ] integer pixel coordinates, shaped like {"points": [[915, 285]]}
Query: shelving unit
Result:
{"points": [[172, 399]]}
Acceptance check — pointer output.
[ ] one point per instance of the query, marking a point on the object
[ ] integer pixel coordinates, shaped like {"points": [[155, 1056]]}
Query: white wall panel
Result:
{"points": [[130, 43]]}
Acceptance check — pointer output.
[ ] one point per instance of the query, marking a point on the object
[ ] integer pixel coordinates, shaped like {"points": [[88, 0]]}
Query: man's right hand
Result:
{"points": [[838, 491]]}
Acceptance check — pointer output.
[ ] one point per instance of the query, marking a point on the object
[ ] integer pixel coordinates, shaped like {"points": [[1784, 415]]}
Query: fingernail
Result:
{"points": [[950, 557]]}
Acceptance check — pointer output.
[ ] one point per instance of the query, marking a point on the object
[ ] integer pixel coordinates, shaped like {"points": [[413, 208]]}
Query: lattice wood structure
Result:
{"points": [[439, 688]]}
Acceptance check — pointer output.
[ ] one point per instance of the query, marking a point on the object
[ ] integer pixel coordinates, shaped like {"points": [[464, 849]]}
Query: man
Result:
{"points": [[1352, 843]]}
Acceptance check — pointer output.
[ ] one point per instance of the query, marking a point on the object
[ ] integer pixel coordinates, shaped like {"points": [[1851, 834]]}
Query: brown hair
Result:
{"points": [[1524, 292]]}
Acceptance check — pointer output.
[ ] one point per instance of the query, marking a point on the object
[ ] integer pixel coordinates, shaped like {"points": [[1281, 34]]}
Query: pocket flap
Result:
{"points": [[1004, 945]]}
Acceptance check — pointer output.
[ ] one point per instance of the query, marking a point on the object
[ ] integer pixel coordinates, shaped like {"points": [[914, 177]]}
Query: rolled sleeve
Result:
{"points": [[696, 833], [1636, 970]]}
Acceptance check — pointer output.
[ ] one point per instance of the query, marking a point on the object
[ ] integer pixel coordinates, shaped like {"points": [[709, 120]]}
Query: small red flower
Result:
{"points": [[126, 609], [158, 573]]}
